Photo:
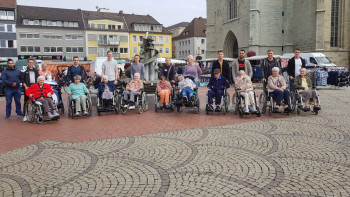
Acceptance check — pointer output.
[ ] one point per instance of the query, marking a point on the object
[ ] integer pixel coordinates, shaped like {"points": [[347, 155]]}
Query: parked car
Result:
{"points": [[313, 59]]}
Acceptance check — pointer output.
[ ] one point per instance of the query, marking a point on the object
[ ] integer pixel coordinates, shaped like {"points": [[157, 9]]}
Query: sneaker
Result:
{"points": [[20, 115], [25, 118], [193, 98], [50, 115], [287, 110], [254, 109], [307, 109], [185, 99], [317, 108], [246, 110], [132, 107], [7, 117], [85, 113], [276, 110], [77, 114], [55, 113], [218, 109]]}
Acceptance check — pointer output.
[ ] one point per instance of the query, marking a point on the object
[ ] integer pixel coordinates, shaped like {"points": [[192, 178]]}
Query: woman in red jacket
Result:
{"points": [[42, 92]]}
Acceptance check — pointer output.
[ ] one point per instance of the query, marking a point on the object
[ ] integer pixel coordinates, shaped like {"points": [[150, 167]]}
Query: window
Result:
{"points": [[74, 49], [101, 26], [59, 23], [30, 49], [160, 50], [102, 39], [2, 43], [203, 41], [9, 28], [53, 23], [119, 27], [92, 50], [37, 49], [46, 49], [134, 38], [23, 49], [92, 38], [29, 36], [65, 23], [53, 49], [10, 44], [3, 13], [232, 9], [189, 52], [154, 38], [189, 42], [36, 22], [102, 52], [113, 39], [76, 24], [124, 39], [123, 50], [2, 28], [111, 27], [141, 38], [335, 23], [49, 23], [312, 60], [166, 39], [25, 22], [160, 39], [167, 50], [115, 50], [43, 22], [134, 50], [92, 26]]}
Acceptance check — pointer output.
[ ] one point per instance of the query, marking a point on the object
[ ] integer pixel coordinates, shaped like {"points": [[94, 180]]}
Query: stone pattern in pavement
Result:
{"points": [[305, 155]]}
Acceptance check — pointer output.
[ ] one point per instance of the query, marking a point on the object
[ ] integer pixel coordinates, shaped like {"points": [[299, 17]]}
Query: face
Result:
{"points": [[270, 54], [302, 73], [221, 55], [109, 55], [41, 81], [137, 77], [241, 54], [11, 64], [76, 81], [76, 61], [180, 78], [163, 78], [274, 73], [297, 53], [168, 62], [190, 60], [217, 75], [43, 66], [242, 75], [137, 59], [105, 80], [30, 64]]}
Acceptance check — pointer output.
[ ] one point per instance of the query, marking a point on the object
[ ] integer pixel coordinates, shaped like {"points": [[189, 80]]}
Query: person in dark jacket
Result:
{"points": [[294, 65], [224, 67], [28, 78], [11, 79], [105, 91], [168, 70], [216, 86], [75, 70], [266, 66]]}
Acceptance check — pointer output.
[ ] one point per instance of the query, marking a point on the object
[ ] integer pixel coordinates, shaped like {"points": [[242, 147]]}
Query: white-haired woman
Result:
{"points": [[42, 92], [244, 85], [78, 91], [304, 85], [192, 69], [105, 91], [277, 86], [132, 89]]}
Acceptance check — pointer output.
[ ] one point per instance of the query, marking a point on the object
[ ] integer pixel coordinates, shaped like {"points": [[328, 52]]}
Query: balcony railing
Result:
{"points": [[105, 42]]}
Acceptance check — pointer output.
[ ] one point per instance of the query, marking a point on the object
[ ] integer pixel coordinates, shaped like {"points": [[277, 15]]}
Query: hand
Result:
{"points": [[263, 79], [192, 88], [49, 94], [306, 89], [291, 78], [31, 95], [70, 94], [106, 90], [14, 84], [87, 92], [115, 82], [179, 91], [281, 89]]}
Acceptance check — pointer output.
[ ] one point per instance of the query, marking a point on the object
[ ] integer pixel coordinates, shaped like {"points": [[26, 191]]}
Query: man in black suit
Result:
{"points": [[223, 66]]}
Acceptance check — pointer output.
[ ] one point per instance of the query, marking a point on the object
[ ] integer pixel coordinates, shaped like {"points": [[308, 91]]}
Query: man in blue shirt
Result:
{"points": [[75, 70], [216, 86], [11, 79]]}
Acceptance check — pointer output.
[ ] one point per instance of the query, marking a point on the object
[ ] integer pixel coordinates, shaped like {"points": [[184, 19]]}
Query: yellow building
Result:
{"points": [[139, 25], [105, 31]]}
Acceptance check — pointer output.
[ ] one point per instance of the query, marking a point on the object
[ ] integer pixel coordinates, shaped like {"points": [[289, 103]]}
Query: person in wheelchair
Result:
{"points": [[105, 92], [133, 88], [303, 84], [277, 87], [78, 91], [164, 91], [42, 92], [187, 87], [244, 86], [217, 85]]}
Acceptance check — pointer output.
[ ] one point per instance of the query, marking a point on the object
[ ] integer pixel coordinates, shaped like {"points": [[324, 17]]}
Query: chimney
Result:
{"points": [[121, 12]]}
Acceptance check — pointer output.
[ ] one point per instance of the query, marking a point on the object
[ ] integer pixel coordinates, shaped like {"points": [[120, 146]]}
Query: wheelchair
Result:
{"points": [[267, 101], [224, 106], [140, 103], [34, 110], [57, 97], [157, 104], [178, 102], [238, 104], [72, 107], [299, 103]]}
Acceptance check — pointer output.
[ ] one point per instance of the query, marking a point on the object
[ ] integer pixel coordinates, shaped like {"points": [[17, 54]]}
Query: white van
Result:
{"points": [[312, 59], [96, 65]]}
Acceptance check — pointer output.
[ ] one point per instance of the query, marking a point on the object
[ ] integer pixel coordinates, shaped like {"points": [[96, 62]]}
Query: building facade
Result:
{"points": [[106, 31], [176, 30], [139, 26], [8, 41], [320, 25], [192, 40], [50, 33]]}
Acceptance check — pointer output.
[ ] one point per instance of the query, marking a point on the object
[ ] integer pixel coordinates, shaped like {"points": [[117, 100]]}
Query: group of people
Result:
{"points": [[34, 86]]}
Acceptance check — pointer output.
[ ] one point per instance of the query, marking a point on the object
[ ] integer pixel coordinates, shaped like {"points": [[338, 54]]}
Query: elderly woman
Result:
{"points": [[277, 86], [105, 91], [78, 91], [164, 91], [244, 85], [132, 89], [192, 69], [303, 84], [42, 92]]}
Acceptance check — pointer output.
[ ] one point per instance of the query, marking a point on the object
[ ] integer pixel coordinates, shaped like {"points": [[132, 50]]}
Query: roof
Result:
{"points": [[182, 24], [8, 4], [196, 28], [93, 15], [54, 14], [142, 19]]}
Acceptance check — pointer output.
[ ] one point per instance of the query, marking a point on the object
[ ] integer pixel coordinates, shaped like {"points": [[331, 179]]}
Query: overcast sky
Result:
{"points": [[164, 11]]}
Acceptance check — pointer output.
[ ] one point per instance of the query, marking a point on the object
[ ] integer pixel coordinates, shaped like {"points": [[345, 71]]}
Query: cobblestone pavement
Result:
{"points": [[305, 155]]}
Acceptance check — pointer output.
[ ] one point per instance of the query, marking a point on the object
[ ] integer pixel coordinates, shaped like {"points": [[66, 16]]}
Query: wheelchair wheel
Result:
{"points": [[240, 111], [293, 102], [262, 103], [197, 105], [30, 111], [298, 110], [234, 104], [178, 109], [223, 105], [117, 104], [89, 106], [258, 113], [155, 102], [39, 119], [227, 101]]}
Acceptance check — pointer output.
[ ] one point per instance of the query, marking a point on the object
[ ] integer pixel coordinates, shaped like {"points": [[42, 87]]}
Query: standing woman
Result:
{"points": [[193, 69]]}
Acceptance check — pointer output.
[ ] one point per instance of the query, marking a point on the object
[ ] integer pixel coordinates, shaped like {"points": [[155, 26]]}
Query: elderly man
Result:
{"points": [[133, 88], [241, 64], [168, 70], [216, 86]]}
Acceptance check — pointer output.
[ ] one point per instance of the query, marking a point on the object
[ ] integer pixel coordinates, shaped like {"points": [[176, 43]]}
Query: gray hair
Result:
{"points": [[77, 77], [137, 74], [40, 77], [241, 72], [276, 69], [168, 58], [304, 69], [190, 57], [105, 77]]}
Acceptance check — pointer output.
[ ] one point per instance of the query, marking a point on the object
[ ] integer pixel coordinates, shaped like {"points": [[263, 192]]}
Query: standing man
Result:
{"points": [[224, 67], [11, 79], [110, 68], [241, 64], [75, 70], [28, 78], [138, 67], [266, 66], [294, 65], [168, 70]]}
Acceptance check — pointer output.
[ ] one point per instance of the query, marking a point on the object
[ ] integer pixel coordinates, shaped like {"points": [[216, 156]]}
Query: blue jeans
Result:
{"points": [[279, 95], [214, 93], [291, 85], [16, 93], [187, 92]]}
